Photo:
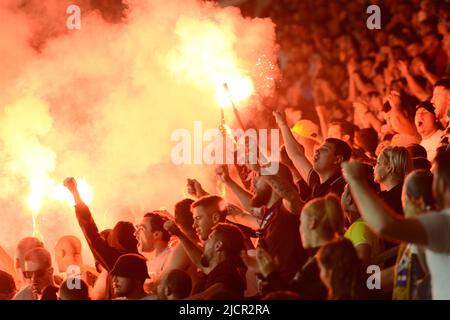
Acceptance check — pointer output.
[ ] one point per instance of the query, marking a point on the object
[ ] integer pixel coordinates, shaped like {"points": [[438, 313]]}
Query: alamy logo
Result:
{"points": [[236, 146], [374, 20], [74, 20], [374, 280], [73, 277]]}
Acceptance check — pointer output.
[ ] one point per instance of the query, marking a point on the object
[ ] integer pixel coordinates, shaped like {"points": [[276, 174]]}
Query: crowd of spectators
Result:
{"points": [[363, 181]]}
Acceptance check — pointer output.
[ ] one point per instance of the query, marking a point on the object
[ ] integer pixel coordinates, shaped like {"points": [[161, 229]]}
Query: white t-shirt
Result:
{"points": [[437, 226], [156, 263], [25, 294], [431, 143]]}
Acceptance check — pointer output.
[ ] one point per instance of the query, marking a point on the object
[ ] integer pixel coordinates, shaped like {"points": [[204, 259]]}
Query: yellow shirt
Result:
{"points": [[359, 233]]}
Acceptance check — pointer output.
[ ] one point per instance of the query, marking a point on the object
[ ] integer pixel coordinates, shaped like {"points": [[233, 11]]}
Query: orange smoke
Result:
{"points": [[102, 102]]}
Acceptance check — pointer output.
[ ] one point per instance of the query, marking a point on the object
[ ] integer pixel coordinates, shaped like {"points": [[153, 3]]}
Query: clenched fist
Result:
{"points": [[194, 188], [353, 171], [172, 227], [222, 172], [71, 184], [280, 118]]}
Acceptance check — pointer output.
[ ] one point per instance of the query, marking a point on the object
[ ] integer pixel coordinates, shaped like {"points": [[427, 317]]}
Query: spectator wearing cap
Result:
{"points": [[129, 274], [121, 239], [306, 133], [426, 124], [323, 175], [7, 286]]}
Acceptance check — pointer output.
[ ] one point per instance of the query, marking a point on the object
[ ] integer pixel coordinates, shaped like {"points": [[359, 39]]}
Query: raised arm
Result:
{"points": [[400, 123], [294, 150], [192, 249], [195, 189], [323, 119], [236, 215], [432, 78], [416, 89], [102, 251], [287, 191], [242, 194], [351, 68], [378, 215]]}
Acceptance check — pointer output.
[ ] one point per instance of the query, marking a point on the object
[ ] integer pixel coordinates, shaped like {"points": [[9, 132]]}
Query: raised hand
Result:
{"points": [[351, 66], [172, 227], [233, 210], [403, 67], [321, 110], [280, 118], [223, 173], [394, 99], [353, 171], [360, 106], [422, 68], [251, 262], [266, 263], [71, 184], [194, 188]]}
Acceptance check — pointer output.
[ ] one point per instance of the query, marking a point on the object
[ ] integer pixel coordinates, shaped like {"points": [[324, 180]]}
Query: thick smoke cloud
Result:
{"points": [[102, 102]]}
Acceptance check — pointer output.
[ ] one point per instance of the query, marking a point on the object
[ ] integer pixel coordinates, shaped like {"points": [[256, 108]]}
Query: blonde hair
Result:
{"points": [[400, 160], [329, 213]]}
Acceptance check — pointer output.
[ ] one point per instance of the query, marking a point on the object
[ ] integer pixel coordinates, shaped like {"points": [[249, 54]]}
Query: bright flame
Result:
{"points": [[35, 197], [160, 69], [207, 56], [34, 203], [240, 90], [60, 193], [221, 189]]}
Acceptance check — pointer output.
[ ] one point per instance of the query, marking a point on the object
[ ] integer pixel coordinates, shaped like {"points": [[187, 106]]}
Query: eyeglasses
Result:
{"points": [[38, 273]]}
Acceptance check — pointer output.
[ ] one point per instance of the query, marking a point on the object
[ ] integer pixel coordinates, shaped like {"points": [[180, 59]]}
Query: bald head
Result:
{"points": [[25, 245], [69, 244], [67, 252]]}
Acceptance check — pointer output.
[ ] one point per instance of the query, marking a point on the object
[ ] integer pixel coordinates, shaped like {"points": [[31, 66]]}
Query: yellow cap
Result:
{"points": [[307, 129]]}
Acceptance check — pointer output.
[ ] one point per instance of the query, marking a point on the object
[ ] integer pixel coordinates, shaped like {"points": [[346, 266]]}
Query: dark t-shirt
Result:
{"points": [[280, 236], [335, 184], [393, 198], [304, 190], [307, 282], [229, 275]]}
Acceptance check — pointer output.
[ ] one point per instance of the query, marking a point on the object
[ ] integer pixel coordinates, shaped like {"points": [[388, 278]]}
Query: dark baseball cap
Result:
{"points": [[427, 105], [131, 265]]}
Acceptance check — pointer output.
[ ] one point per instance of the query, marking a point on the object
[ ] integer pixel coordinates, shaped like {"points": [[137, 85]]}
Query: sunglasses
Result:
{"points": [[37, 273]]}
